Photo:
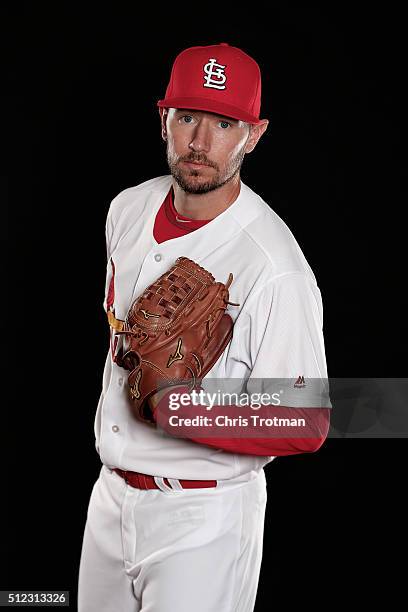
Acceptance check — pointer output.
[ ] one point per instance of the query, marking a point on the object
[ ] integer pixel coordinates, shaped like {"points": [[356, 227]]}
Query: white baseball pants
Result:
{"points": [[194, 550]]}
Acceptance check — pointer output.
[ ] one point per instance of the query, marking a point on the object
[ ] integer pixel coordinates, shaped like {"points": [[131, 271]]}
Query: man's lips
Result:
{"points": [[195, 164]]}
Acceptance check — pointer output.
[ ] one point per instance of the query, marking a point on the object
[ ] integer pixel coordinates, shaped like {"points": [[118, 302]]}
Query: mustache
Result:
{"points": [[197, 160]]}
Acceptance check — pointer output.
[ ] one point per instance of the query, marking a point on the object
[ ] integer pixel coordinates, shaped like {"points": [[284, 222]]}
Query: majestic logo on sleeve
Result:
{"points": [[215, 75], [300, 382]]}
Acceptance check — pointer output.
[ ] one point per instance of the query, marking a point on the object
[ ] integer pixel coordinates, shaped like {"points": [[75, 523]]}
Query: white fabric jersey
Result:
{"points": [[277, 326]]}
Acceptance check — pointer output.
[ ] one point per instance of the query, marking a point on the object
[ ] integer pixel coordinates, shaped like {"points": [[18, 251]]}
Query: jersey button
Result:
{"points": [[120, 381], [115, 428], [157, 257]]}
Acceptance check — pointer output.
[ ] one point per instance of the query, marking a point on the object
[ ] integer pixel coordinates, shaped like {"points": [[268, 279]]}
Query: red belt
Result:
{"points": [[144, 481]]}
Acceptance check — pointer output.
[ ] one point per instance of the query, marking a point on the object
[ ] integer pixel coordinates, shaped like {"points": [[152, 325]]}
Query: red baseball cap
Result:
{"points": [[219, 79]]}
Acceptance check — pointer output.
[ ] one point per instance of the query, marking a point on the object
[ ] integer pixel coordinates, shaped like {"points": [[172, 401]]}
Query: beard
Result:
{"points": [[188, 179]]}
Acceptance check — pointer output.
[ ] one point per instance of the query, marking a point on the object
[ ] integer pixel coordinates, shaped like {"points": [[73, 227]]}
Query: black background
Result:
{"points": [[81, 88]]}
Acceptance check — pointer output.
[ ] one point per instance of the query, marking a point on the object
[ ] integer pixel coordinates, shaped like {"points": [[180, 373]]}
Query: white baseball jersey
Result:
{"points": [[278, 325]]}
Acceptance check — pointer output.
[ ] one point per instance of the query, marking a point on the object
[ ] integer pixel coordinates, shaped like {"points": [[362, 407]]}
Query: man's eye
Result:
{"points": [[225, 124], [187, 118]]}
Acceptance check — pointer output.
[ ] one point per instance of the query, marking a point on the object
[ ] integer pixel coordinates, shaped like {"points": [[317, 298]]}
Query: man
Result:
{"points": [[176, 523]]}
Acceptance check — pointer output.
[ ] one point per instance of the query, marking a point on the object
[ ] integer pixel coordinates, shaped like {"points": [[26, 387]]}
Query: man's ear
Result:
{"points": [[256, 132], [163, 117]]}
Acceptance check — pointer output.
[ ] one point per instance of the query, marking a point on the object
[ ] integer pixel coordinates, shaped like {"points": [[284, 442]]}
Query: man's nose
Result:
{"points": [[201, 138]]}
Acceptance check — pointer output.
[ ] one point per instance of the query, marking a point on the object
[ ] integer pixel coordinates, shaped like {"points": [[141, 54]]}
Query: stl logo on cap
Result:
{"points": [[210, 70]]}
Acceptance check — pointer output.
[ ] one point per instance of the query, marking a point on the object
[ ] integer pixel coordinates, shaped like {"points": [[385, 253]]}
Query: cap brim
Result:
{"points": [[212, 106]]}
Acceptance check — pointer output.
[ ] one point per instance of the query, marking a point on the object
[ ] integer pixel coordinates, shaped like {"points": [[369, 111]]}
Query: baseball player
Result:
{"points": [[176, 523]]}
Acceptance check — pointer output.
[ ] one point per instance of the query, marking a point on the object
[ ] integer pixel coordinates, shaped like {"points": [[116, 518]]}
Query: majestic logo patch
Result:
{"points": [[300, 382], [215, 75]]}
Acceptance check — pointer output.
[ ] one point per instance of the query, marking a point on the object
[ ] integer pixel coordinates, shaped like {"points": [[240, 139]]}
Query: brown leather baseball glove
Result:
{"points": [[175, 332]]}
